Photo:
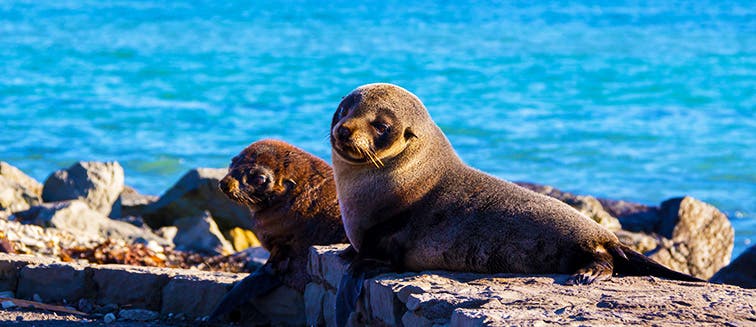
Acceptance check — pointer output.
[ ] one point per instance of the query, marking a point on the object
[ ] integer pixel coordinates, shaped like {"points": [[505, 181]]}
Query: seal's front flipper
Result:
{"points": [[350, 286], [259, 283]]}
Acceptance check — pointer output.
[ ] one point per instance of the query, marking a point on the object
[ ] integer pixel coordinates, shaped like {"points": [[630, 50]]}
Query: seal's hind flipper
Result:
{"points": [[258, 283], [350, 286], [633, 263]]}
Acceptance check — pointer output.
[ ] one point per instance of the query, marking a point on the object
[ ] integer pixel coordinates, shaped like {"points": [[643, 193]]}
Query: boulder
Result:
{"points": [[134, 203], [196, 192], [242, 238], [464, 299], [98, 184], [697, 238], [200, 234], [18, 191], [77, 218], [741, 272]]}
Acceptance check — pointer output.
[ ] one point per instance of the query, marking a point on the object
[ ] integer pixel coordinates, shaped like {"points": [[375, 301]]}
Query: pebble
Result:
{"points": [[110, 317]]}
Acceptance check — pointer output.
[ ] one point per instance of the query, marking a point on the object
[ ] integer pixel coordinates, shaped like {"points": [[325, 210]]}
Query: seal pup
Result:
{"points": [[408, 200], [293, 197]]}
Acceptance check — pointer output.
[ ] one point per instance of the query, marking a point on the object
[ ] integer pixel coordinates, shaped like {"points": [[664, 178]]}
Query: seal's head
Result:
{"points": [[256, 176], [375, 123]]}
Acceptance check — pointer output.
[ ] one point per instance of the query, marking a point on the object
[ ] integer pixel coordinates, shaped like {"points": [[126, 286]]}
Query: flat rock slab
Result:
{"points": [[167, 291], [462, 299]]}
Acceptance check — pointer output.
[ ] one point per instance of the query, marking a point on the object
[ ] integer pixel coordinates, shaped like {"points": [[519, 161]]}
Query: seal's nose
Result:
{"points": [[228, 184], [343, 133]]}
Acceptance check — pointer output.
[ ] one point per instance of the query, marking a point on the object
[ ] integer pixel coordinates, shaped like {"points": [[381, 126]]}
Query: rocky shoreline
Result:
{"points": [[85, 216]]}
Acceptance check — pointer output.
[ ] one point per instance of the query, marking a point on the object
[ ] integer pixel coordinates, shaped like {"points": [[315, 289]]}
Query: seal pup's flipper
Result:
{"points": [[350, 286], [633, 263], [258, 283]]}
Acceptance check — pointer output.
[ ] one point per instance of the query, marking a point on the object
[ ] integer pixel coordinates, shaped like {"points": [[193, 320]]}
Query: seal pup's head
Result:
{"points": [[257, 177], [375, 123]]}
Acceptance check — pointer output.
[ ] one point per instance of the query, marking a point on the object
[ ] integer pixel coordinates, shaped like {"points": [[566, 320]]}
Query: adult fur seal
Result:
{"points": [[407, 198], [293, 198]]}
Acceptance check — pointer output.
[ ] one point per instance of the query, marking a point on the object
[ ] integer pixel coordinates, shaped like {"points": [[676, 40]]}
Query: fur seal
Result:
{"points": [[408, 199], [293, 197]]}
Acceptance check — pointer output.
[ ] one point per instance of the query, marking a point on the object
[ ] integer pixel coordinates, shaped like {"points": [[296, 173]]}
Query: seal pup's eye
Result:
{"points": [[381, 128], [257, 180]]}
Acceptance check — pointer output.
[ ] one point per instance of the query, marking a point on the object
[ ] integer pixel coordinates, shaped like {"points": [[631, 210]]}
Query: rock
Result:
{"points": [[98, 184], [253, 257], [54, 283], [144, 286], [201, 234], [8, 305], [17, 190], [243, 238], [32, 239], [464, 299], [137, 315], [741, 272], [196, 192], [85, 305], [79, 219], [699, 238], [11, 265], [193, 294], [109, 318], [133, 203]]}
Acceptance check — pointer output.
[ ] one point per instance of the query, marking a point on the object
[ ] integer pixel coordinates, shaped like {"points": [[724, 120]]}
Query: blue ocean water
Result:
{"points": [[631, 100]]}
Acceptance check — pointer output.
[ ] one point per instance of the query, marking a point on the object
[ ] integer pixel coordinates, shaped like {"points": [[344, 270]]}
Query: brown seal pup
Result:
{"points": [[293, 197], [408, 199]]}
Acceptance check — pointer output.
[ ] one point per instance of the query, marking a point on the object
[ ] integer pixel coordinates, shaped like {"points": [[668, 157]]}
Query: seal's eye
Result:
{"points": [[381, 128], [257, 180], [342, 111]]}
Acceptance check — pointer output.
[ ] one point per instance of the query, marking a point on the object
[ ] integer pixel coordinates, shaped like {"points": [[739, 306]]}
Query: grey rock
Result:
{"points": [[193, 295], [18, 191], [109, 318], [134, 203], [54, 283], [137, 315], [698, 237], [10, 268], [78, 218], [465, 299], [201, 234], [325, 264], [196, 192], [98, 184], [740, 272], [314, 297], [144, 286]]}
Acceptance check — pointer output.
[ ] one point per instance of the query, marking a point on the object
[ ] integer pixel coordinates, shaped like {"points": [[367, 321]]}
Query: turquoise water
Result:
{"points": [[633, 101]]}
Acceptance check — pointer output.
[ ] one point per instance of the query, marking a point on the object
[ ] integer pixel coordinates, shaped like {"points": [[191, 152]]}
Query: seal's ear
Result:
{"points": [[408, 133]]}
